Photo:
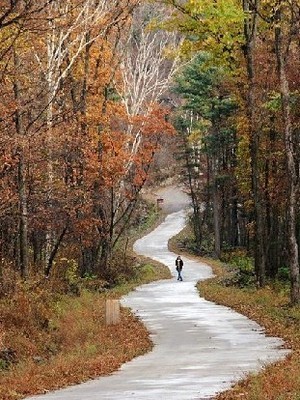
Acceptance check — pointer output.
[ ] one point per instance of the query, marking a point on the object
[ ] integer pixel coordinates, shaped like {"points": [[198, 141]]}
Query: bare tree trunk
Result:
{"points": [[250, 30], [23, 217], [234, 222], [84, 89], [216, 211], [197, 220], [282, 53], [54, 251]]}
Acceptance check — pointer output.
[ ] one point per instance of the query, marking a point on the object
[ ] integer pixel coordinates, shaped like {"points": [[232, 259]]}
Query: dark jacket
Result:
{"points": [[179, 264]]}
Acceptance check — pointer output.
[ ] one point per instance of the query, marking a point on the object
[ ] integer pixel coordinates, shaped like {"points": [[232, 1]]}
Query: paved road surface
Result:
{"points": [[200, 348]]}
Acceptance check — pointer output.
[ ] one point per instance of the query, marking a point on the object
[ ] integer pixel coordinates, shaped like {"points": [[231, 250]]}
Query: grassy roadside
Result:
{"points": [[62, 340], [270, 308], [77, 345]]}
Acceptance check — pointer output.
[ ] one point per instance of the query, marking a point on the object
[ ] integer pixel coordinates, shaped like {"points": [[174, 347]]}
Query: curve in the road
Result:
{"points": [[200, 348]]}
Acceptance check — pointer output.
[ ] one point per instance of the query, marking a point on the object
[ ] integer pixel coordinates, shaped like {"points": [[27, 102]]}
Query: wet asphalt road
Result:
{"points": [[200, 348]]}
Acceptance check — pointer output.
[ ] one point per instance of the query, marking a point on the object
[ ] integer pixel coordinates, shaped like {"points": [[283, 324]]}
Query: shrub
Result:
{"points": [[25, 318], [283, 273], [120, 269], [242, 265]]}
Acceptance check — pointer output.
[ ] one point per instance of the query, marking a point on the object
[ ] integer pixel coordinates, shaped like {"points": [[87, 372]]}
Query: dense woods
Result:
{"points": [[239, 123], [80, 126]]}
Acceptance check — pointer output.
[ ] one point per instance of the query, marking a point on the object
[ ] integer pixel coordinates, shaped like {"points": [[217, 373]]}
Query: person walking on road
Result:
{"points": [[179, 265]]}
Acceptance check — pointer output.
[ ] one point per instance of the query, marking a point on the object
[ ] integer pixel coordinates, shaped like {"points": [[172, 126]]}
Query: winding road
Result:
{"points": [[200, 348]]}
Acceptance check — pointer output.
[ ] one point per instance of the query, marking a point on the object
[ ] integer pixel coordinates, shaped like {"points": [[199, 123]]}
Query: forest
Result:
{"points": [[81, 123], [102, 99], [240, 127]]}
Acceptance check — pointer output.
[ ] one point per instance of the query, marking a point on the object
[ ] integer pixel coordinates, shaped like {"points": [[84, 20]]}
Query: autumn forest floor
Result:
{"points": [[51, 338], [77, 345]]}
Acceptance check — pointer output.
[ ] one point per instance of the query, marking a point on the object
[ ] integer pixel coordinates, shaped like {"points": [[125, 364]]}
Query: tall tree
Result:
{"points": [[211, 141], [287, 23], [250, 32], [22, 187]]}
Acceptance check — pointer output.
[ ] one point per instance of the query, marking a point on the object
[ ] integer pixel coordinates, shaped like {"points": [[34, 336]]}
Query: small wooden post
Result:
{"points": [[112, 312], [159, 202]]}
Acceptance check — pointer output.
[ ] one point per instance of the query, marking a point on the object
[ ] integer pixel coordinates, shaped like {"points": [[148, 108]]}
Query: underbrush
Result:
{"points": [[49, 339], [241, 267], [84, 348]]}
